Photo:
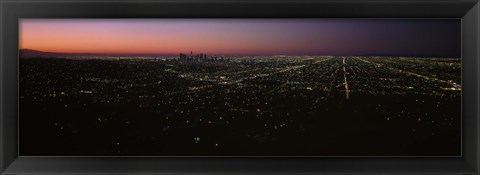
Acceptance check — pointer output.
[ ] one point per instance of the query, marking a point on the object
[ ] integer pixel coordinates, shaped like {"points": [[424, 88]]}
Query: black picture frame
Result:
{"points": [[12, 10]]}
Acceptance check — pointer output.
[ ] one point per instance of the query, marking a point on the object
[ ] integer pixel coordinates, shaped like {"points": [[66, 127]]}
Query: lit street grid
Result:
{"points": [[199, 105]]}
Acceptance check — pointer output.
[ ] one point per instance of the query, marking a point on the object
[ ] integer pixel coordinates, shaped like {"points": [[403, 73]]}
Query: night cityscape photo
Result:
{"points": [[240, 87]]}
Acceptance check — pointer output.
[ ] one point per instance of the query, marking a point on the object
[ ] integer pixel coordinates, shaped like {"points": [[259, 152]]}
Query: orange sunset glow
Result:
{"points": [[240, 36]]}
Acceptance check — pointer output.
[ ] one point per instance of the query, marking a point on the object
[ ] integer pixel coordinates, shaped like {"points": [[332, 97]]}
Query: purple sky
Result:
{"points": [[439, 37]]}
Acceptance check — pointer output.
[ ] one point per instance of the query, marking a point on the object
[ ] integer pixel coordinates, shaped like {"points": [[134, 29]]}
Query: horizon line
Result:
{"points": [[236, 54]]}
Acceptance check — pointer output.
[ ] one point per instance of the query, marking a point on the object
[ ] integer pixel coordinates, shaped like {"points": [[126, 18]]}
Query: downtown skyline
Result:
{"points": [[412, 37]]}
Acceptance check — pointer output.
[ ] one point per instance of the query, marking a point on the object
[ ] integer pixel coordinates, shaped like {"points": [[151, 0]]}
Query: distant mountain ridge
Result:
{"points": [[30, 53]]}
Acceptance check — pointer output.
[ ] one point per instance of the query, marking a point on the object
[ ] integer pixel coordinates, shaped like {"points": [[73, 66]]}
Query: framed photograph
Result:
{"points": [[201, 87]]}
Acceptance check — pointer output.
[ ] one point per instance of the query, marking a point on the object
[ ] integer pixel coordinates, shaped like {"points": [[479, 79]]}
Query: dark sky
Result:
{"points": [[411, 37], [405, 37]]}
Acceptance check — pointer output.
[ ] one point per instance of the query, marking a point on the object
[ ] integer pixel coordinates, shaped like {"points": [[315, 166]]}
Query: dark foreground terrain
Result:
{"points": [[241, 106]]}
